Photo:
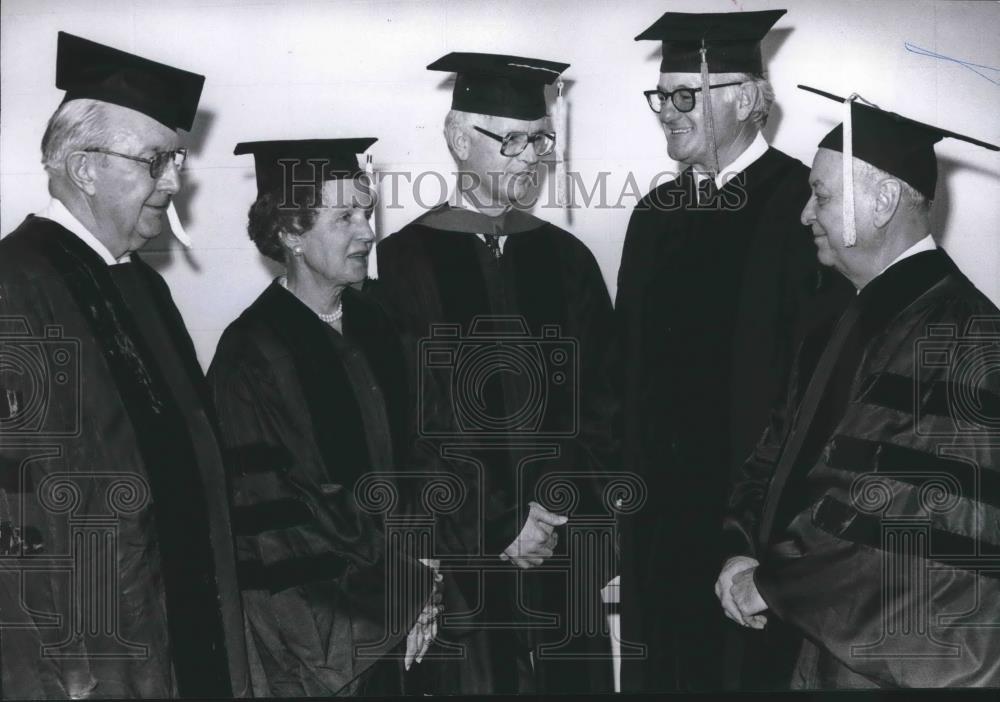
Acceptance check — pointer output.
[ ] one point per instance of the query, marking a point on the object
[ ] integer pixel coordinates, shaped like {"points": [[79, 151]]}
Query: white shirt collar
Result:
{"points": [[459, 200], [57, 212], [750, 154]]}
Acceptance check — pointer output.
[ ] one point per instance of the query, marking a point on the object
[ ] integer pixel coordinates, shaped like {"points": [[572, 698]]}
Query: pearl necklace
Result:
{"points": [[331, 318]]}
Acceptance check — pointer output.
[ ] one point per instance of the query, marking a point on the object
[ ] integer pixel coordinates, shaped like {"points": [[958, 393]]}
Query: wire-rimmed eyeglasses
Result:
{"points": [[514, 143]]}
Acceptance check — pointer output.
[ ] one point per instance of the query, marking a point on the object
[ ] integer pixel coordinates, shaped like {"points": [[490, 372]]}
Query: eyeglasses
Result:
{"points": [[157, 164], [682, 98], [514, 143]]}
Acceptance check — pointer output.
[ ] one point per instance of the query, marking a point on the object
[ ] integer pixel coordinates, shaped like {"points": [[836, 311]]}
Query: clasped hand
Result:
{"points": [[537, 540], [738, 593]]}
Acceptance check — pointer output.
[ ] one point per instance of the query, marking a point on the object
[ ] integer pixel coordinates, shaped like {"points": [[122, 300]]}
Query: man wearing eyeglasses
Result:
{"points": [[118, 578], [717, 280], [525, 397]]}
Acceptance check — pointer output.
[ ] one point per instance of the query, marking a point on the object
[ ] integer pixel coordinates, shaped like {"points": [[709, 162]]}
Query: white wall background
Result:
{"points": [[308, 69]]}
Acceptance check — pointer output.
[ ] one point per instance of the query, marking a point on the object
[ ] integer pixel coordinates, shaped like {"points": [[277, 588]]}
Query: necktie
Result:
{"points": [[493, 242], [707, 191]]}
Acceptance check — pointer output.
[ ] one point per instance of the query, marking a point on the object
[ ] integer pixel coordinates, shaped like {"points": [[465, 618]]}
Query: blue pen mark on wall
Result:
{"points": [[974, 67]]}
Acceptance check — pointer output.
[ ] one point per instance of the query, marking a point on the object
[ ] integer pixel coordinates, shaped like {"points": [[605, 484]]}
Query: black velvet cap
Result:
{"points": [[895, 144], [732, 40], [496, 84], [283, 165], [86, 69]]}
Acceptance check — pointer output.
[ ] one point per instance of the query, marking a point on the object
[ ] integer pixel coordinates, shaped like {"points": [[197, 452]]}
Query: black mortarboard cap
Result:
{"points": [[86, 69], [895, 144], [496, 84], [285, 164], [732, 40]]}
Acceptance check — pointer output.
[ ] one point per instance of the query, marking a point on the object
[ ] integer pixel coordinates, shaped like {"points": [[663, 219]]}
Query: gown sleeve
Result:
{"points": [[324, 597]]}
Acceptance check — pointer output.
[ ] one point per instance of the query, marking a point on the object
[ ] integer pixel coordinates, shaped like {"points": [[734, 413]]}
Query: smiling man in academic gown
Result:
{"points": [[868, 517], [717, 281], [118, 576], [523, 313]]}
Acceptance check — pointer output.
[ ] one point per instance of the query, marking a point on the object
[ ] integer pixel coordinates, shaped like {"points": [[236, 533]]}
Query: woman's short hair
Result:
{"points": [[270, 215]]}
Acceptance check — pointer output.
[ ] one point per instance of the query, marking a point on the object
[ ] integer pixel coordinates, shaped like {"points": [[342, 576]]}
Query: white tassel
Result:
{"points": [[559, 117], [850, 233], [706, 109], [176, 227], [373, 185]]}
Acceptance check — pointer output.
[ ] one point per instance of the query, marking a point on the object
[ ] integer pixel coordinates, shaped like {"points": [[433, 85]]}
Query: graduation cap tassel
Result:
{"points": [[373, 185], [706, 106], [850, 233], [559, 117], [176, 227]]}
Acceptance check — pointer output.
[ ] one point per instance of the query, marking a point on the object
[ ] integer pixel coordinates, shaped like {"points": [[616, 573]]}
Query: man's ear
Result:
{"points": [[458, 141], [887, 199], [81, 170], [746, 96]]}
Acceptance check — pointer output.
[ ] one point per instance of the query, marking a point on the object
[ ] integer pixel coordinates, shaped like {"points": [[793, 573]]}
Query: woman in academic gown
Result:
{"points": [[304, 382]]}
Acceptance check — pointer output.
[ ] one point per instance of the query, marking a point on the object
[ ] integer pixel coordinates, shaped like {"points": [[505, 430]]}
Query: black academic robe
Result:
{"points": [[713, 300], [509, 361], [306, 413], [875, 515], [117, 568]]}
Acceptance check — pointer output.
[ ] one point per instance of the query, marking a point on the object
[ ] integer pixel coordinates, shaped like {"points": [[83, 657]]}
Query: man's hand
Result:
{"points": [[748, 601], [537, 540], [742, 566]]}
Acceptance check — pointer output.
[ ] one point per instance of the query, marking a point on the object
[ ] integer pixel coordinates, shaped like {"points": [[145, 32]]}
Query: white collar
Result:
{"points": [[459, 200], [58, 213], [750, 154]]}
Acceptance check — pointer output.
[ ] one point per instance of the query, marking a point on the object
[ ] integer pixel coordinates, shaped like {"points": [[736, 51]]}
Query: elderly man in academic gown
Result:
{"points": [[867, 518], [118, 575], [717, 284], [508, 323]]}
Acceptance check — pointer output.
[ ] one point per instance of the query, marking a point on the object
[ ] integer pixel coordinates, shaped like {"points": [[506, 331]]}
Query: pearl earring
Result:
{"points": [[297, 251]]}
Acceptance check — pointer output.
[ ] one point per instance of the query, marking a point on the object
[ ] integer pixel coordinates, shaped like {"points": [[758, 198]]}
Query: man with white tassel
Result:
{"points": [[717, 282], [868, 517], [118, 573], [513, 396]]}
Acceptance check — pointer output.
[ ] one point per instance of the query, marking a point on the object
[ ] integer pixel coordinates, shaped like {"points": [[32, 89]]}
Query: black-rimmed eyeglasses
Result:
{"points": [[157, 164], [683, 98], [514, 143]]}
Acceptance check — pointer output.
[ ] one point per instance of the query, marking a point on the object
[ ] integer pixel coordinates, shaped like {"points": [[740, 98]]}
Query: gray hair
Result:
{"points": [[762, 94], [908, 195], [75, 125], [458, 119]]}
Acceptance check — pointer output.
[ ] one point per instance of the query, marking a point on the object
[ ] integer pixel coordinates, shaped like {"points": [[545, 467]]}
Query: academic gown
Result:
{"points": [[306, 413], [117, 567], [510, 373], [875, 514], [713, 300]]}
